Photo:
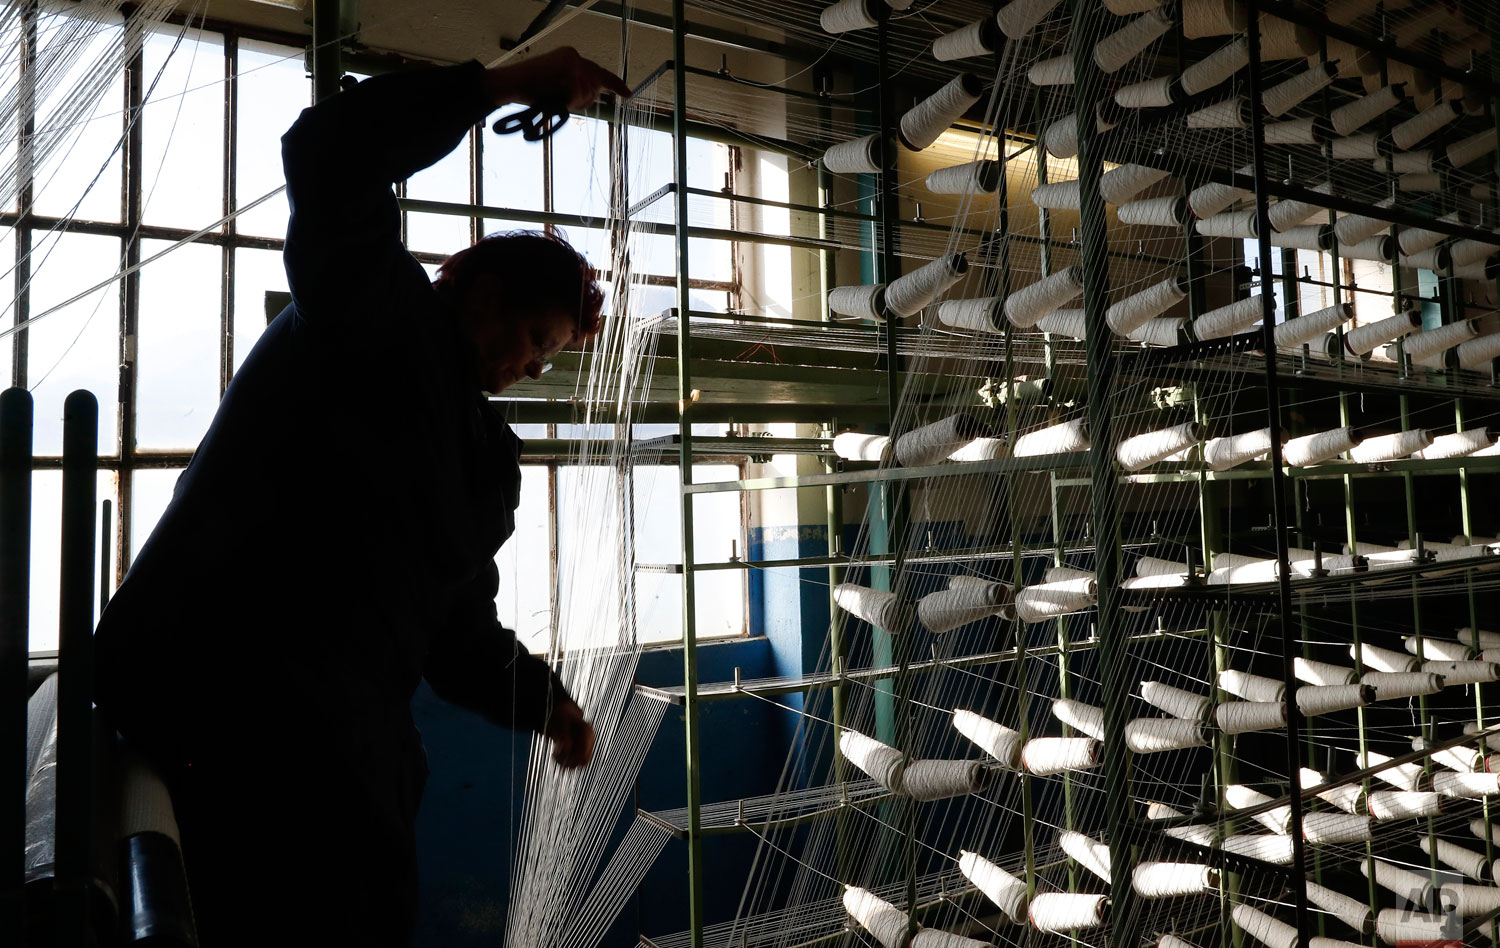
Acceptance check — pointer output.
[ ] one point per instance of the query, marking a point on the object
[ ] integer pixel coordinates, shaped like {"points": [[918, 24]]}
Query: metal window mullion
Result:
{"points": [[476, 179], [25, 167], [231, 158], [130, 294]]}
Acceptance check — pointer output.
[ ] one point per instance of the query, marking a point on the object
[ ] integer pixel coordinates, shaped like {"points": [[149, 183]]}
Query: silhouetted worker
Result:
{"points": [[333, 539]]}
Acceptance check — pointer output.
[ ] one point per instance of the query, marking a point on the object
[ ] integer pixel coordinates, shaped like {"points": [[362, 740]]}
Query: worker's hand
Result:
{"points": [[572, 736], [558, 79]]}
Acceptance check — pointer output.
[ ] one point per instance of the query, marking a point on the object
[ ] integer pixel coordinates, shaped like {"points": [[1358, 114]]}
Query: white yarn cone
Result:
{"points": [[1251, 687], [998, 741], [1067, 911], [1003, 889], [928, 780], [1088, 853], [1131, 313], [1044, 756], [1385, 805], [975, 315], [909, 294], [1313, 700], [1216, 67], [1400, 927], [948, 609], [1322, 446], [1032, 302], [1085, 718], [1162, 880], [1228, 320], [1463, 673], [1304, 329], [1058, 439], [1390, 447], [1467, 861], [1323, 673], [863, 302], [1240, 797], [1364, 339], [1465, 786], [1405, 884], [1391, 685], [1331, 828], [853, 446], [1384, 659], [1400, 776], [1176, 701], [885, 923], [1049, 600], [876, 606], [1145, 449], [880, 762], [1154, 735], [1352, 912], [1239, 717], [932, 443], [1276, 850]]}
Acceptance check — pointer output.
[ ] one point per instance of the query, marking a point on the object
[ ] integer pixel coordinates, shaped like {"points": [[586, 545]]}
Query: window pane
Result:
{"points": [[46, 553], [524, 602], [151, 492], [448, 181], [592, 242], [273, 91], [177, 348], [580, 167], [512, 172], [77, 146], [78, 346], [588, 545], [182, 130], [7, 303], [255, 272], [716, 533]]}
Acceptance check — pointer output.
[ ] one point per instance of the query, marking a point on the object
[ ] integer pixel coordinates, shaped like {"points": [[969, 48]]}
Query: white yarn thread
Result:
{"points": [[1465, 786], [1154, 212], [1415, 239], [974, 177], [1284, 96], [1466, 252], [1463, 673], [1303, 131], [1057, 439], [853, 446], [857, 156], [1065, 322], [849, 15], [876, 606], [928, 780], [865, 301], [1380, 249], [1326, 699], [1251, 687], [1303, 329], [1030, 303], [1352, 912], [1202, 18], [1276, 850], [1209, 199], [1313, 448], [1460, 443], [975, 315], [1119, 185], [947, 609], [1164, 880], [1131, 313], [1216, 67], [1057, 71], [1144, 449], [1282, 39], [1314, 237], [1353, 228], [1477, 353], [1440, 650], [880, 762], [1085, 718], [1363, 339], [1466, 151], [1323, 673], [1408, 133], [1383, 659], [925, 121], [1151, 94], [1154, 735], [1117, 49], [1088, 853], [1066, 911], [1355, 147], [1330, 828], [1228, 320], [1400, 927], [907, 295], [1385, 805], [1469, 900], [1231, 113], [1049, 600], [1018, 17], [1004, 890], [1401, 882], [1044, 756], [1241, 225], [1239, 717], [1265, 929], [1466, 861], [1346, 119], [933, 443], [885, 923], [976, 39], [1221, 454], [1405, 162], [998, 741], [1176, 701], [1056, 195]]}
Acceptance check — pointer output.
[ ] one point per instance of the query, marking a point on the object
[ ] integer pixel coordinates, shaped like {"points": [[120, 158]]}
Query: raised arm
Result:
{"points": [[343, 155]]}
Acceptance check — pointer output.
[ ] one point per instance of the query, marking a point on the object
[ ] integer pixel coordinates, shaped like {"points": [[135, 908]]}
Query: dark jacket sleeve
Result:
{"points": [[476, 663], [341, 156]]}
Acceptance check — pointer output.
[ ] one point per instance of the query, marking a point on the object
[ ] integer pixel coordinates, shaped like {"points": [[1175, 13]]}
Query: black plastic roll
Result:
{"points": [[157, 909]]}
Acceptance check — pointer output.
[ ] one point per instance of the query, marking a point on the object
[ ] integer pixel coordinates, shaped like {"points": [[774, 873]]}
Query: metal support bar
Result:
{"points": [[15, 614]]}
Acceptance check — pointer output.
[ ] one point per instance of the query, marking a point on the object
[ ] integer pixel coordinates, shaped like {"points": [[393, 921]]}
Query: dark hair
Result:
{"points": [[539, 271]]}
